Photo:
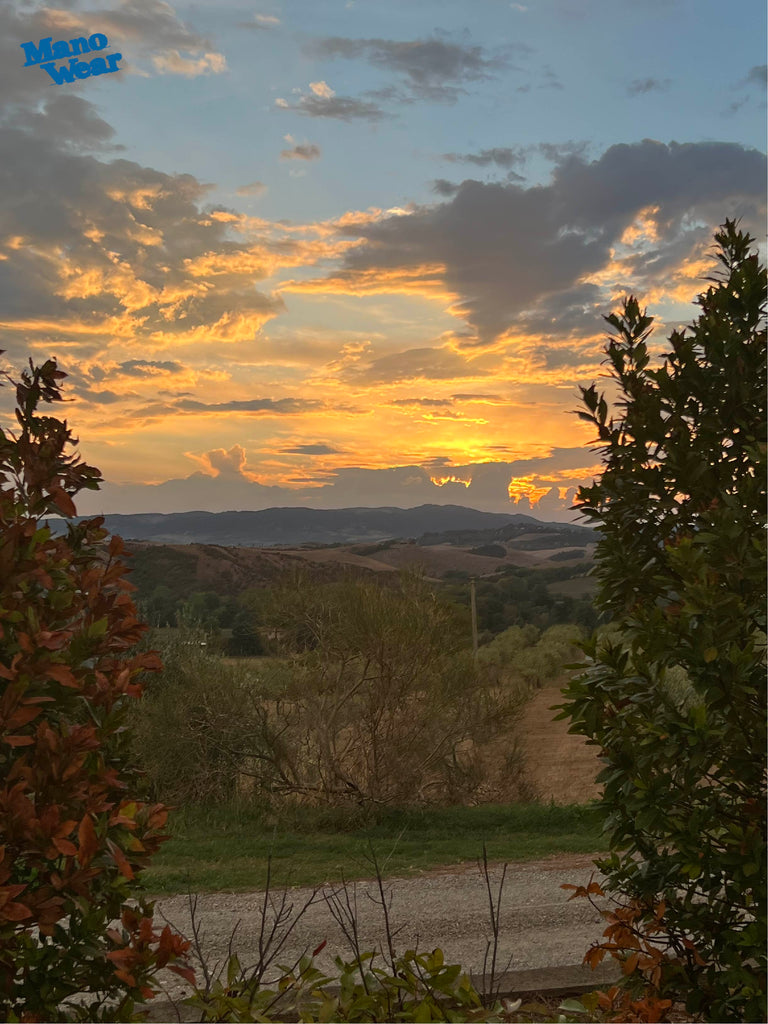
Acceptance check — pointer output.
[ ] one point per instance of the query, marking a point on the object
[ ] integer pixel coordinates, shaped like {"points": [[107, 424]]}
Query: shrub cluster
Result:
{"points": [[374, 700]]}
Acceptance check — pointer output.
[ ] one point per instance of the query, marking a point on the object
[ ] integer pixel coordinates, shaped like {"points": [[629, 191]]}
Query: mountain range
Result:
{"points": [[293, 527]]}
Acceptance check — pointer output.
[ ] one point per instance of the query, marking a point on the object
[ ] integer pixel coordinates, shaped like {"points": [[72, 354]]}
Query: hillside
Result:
{"points": [[293, 527], [526, 571]]}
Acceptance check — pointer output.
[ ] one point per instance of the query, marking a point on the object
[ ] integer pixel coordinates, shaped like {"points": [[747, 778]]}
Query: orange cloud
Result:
{"points": [[440, 481], [427, 280], [220, 463]]}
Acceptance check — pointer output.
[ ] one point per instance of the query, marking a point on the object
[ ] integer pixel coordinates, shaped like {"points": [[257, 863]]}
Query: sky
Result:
{"points": [[334, 253]]}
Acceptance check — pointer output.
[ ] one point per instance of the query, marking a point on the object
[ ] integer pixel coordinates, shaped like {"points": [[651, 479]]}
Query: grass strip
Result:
{"points": [[227, 848]]}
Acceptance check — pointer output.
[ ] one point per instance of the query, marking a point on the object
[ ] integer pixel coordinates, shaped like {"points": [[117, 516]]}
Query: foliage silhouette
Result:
{"points": [[680, 509]]}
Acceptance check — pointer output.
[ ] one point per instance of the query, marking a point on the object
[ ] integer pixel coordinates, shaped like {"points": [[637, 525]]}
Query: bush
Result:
{"points": [[200, 723], [74, 834], [677, 702], [524, 657], [374, 701], [385, 703]]}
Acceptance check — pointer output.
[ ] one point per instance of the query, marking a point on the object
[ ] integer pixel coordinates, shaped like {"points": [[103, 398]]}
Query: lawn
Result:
{"points": [[227, 848]]}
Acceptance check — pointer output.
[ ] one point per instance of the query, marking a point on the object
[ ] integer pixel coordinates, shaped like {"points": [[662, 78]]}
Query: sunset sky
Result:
{"points": [[356, 252]]}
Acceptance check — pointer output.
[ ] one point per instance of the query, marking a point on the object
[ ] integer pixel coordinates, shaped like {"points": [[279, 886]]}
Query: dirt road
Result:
{"points": [[539, 927]]}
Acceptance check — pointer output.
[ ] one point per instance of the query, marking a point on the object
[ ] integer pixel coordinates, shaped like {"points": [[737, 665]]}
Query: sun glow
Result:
{"points": [[439, 481], [524, 487]]}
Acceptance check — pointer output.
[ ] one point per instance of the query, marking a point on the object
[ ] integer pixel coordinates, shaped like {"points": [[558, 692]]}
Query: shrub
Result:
{"points": [[522, 656], [385, 705], [677, 701], [200, 722], [74, 834]]}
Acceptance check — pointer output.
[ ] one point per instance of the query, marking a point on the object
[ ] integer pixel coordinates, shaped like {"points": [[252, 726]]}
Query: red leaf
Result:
{"points": [[320, 948], [89, 844], [594, 956], [22, 716], [65, 846], [122, 863], [185, 972], [15, 912], [62, 674], [63, 502], [19, 741], [630, 964]]}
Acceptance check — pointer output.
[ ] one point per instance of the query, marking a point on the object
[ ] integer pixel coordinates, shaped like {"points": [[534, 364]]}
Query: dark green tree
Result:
{"points": [[245, 641], [677, 698]]}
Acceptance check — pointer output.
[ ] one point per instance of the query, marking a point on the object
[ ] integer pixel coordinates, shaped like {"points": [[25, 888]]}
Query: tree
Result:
{"points": [[74, 834], [680, 508], [384, 705], [245, 641]]}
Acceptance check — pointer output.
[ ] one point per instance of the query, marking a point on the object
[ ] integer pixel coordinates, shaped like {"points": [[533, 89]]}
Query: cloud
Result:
{"points": [[422, 402], [507, 157], [322, 89], [443, 187], [754, 79], [341, 108], [640, 86], [255, 188], [171, 62], [261, 22], [434, 69], [310, 449], [757, 76], [148, 367], [68, 120], [485, 399], [509, 252], [92, 397], [412, 364], [301, 151], [268, 406], [115, 249], [502, 156], [224, 464], [543, 485]]}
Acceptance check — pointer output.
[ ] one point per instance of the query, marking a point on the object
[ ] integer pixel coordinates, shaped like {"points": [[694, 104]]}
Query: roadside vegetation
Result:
{"points": [[229, 847]]}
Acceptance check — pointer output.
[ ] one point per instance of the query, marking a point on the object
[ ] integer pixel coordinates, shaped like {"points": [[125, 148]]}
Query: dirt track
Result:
{"points": [[539, 926], [558, 765]]}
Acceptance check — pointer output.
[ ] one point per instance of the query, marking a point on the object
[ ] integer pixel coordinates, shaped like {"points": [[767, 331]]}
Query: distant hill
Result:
{"points": [[294, 527], [526, 571]]}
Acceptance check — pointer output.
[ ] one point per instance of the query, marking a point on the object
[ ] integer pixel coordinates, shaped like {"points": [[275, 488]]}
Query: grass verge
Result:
{"points": [[226, 848]]}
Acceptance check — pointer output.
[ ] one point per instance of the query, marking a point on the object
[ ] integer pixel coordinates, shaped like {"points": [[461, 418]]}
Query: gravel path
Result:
{"points": [[447, 908]]}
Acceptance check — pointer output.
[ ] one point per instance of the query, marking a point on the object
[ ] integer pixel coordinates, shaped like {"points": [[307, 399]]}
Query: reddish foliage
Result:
{"points": [[637, 937], [75, 836]]}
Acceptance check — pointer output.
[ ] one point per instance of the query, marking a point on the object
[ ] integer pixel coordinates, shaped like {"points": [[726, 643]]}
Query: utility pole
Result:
{"points": [[473, 600]]}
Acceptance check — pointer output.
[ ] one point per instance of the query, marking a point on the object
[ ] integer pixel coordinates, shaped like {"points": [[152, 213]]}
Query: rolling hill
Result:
{"points": [[292, 527]]}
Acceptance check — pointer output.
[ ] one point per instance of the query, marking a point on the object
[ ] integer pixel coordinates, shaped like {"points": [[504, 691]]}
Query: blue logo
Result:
{"points": [[46, 52]]}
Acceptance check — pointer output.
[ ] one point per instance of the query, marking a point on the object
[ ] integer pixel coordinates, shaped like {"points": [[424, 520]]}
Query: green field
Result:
{"points": [[225, 848]]}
